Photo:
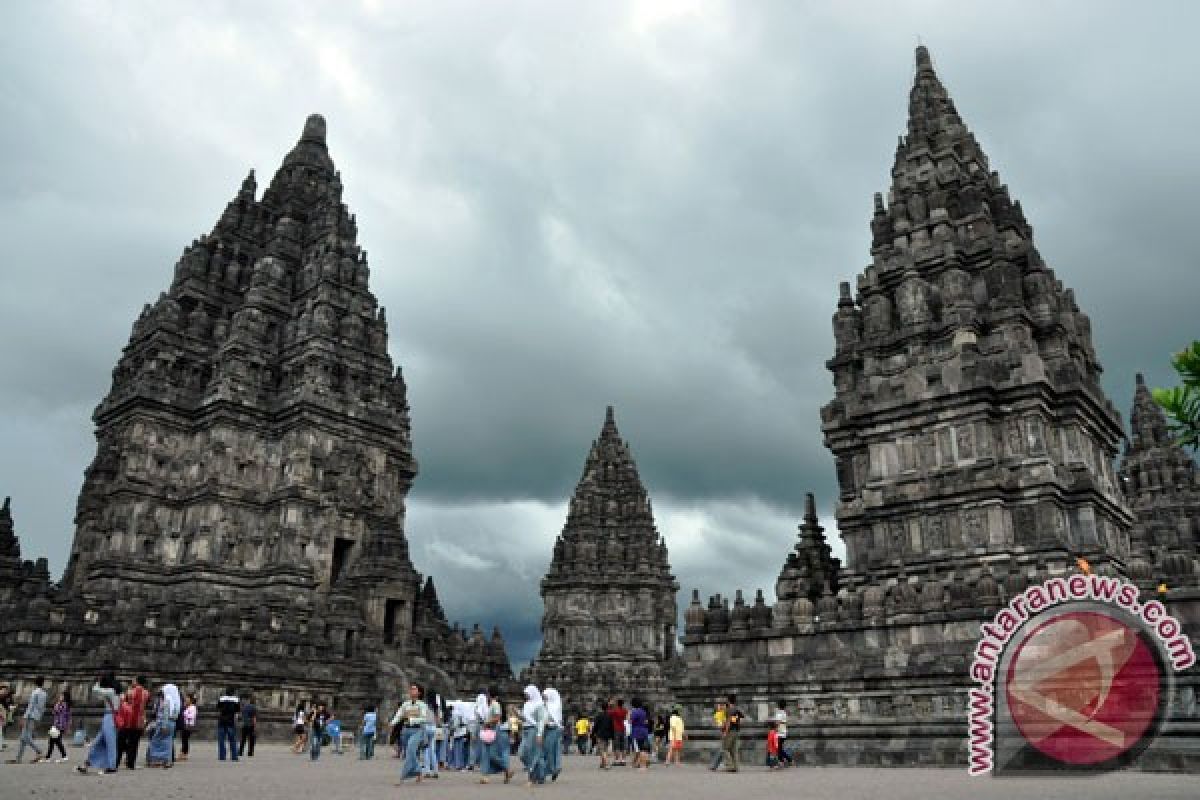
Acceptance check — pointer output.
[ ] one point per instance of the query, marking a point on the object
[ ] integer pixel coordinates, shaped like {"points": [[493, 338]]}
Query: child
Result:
{"points": [[299, 726], [333, 729], [773, 745], [675, 736], [62, 724], [366, 734], [190, 712]]}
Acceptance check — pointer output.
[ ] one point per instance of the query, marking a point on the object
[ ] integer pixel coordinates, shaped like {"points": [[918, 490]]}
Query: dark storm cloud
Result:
{"points": [[572, 205]]}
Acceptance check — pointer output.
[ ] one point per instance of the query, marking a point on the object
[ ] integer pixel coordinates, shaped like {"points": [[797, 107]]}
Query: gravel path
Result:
{"points": [[276, 774]]}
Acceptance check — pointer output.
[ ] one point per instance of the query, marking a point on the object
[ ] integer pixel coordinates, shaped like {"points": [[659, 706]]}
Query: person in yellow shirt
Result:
{"points": [[719, 724], [583, 729], [675, 736]]}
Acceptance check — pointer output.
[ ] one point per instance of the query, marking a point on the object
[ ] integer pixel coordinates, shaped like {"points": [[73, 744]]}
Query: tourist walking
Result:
{"points": [[773, 745], [316, 731], [333, 732], [553, 736], [718, 719], [249, 731], [413, 713], [639, 734], [366, 734], [659, 736], [514, 730], [139, 697], [602, 729], [228, 707], [781, 720], [620, 716], [456, 759], [125, 725], [299, 728], [583, 730], [493, 736], [533, 728], [729, 733], [475, 726], [162, 734], [60, 726], [5, 711], [190, 713], [103, 753], [34, 709], [676, 733], [435, 708]]}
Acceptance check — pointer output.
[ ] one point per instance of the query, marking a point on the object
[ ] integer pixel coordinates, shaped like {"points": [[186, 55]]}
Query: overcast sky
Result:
{"points": [[572, 204]]}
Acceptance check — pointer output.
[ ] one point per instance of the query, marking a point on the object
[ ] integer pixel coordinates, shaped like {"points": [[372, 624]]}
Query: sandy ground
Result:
{"points": [[276, 774]]}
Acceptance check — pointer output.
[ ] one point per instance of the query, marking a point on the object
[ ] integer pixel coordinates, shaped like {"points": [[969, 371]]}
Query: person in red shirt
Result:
{"points": [[618, 713], [138, 696], [773, 745]]}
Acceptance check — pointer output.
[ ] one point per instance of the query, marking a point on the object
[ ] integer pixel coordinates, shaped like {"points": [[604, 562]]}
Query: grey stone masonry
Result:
{"points": [[609, 625], [1162, 485], [973, 447], [968, 426], [243, 519]]}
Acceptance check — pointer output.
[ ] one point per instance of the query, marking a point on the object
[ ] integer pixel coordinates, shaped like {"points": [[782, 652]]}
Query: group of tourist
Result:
{"points": [[614, 733], [427, 732], [129, 714]]}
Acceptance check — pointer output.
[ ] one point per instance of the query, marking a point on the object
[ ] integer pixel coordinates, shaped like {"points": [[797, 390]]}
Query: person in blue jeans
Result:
{"points": [[413, 714], [228, 707], [366, 734]]}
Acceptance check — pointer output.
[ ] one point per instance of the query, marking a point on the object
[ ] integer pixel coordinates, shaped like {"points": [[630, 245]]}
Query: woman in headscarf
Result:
{"points": [[158, 754], [475, 727], [494, 738], [533, 729], [552, 739], [103, 752]]}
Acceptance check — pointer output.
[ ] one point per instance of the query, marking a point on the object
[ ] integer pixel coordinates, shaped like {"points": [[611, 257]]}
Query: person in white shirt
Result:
{"points": [[781, 718], [33, 715]]}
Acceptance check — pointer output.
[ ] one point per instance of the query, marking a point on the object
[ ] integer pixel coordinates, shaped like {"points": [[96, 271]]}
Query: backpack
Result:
{"points": [[124, 718]]}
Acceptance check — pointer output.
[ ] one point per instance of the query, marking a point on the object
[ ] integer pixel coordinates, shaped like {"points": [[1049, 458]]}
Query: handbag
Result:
{"points": [[487, 735]]}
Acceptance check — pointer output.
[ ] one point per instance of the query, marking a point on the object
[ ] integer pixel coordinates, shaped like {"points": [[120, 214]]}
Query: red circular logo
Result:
{"points": [[1084, 687]]}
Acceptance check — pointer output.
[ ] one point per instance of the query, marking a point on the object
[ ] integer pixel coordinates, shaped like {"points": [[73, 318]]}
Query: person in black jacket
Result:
{"points": [[227, 710], [602, 729]]}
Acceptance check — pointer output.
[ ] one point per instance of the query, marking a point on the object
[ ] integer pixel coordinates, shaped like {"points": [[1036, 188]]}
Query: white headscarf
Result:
{"points": [[174, 702], [533, 702], [553, 705], [483, 708]]}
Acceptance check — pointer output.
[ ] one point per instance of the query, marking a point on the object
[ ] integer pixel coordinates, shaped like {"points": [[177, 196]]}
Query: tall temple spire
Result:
{"points": [[957, 325], [609, 593], [610, 483]]}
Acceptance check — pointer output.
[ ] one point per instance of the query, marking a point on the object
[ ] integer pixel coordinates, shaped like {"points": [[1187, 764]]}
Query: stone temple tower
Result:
{"points": [[968, 426], [1162, 484], [244, 515], [610, 614]]}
